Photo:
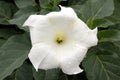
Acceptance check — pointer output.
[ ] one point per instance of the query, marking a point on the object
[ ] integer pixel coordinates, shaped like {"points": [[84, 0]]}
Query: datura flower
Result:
{"points": [[59, 40]]}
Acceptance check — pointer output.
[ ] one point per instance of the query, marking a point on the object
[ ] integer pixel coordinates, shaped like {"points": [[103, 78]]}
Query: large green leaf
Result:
{"points": [[13, 53], [2, 41], [76, 2], [109, 35], [7, 10], [115, 17], [24, 3], [21, 15], [52, 74], [5, 32], [24, 72], [103, 62], [97, 9]]}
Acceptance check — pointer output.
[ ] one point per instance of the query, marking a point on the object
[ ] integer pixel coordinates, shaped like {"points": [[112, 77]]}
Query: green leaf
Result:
{"points": [[49, 4], [116, 26], [2, 41], [101, 23], [6, 32], [13, 53], [63, 77], [44, 3], [21, 15], [117, 43], [103, 62], [52, 74], [76, 2], [98, 23], [40, 75], [109, 35], [24, 72], [96, 9], [24, 3], [11, 77], [115, 17], [46, 11], [7, 10]]}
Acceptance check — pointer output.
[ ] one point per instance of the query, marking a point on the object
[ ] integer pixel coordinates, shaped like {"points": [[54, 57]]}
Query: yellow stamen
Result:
{"points": [[59, 39]]}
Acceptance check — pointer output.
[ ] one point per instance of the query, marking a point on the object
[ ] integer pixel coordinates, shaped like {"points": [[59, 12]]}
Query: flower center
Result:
{"points": [[59, 39]]}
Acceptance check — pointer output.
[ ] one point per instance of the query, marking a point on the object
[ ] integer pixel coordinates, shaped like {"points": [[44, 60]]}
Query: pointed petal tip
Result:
{"points": [[29, 20], [62, 7], [74, 71], [36, 69], [25, 24], [66, 8], [35, 66], [77, 71], [95, 30]]}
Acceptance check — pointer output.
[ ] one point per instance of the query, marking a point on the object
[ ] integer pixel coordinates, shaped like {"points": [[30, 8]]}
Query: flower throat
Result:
{"points": [[59, 39]]}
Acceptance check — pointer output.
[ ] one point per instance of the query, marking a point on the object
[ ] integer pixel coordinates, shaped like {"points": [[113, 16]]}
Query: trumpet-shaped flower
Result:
{"points": [[59, 40]]}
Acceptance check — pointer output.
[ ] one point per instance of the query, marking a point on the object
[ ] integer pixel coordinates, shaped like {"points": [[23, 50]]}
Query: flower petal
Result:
{"points": [[39, 54], [35, 21], [63, 19], [40, 29], [83, 35], [44, 35], [71, 57]]}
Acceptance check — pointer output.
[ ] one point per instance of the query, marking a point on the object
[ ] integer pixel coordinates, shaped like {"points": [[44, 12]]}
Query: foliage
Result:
{"points": [[102, 62]]}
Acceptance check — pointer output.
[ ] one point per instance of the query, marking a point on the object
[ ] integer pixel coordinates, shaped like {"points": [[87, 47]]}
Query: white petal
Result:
{"points": [[50, 62], [35, 20], [83, 35], [63, 19], [39, 54], [44, 35], [71, 57], [40, 29]]}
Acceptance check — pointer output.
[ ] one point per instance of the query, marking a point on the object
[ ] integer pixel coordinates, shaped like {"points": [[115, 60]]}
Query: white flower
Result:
{"points": [[59, 40]]}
